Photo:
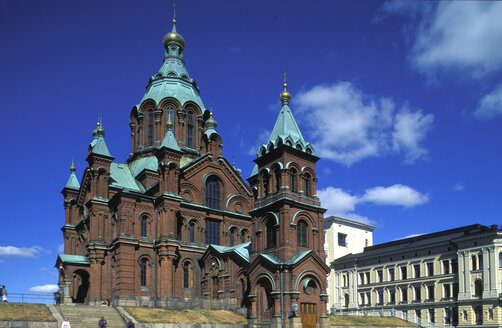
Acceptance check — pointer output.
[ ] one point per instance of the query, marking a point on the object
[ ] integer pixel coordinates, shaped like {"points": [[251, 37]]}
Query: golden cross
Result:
{"points": [[284, 76], [174, 11]]}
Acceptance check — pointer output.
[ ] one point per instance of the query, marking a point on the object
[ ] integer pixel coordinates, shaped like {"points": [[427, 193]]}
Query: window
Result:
{"points": [[474, 262], [270, 233], [170, 116], [380, 297], [416, 269], [150, 128], [243, 236], [192, 232], [418, 314], [500, 260], [143, 263], [179, 228], [391, 274], [404, 273], [307, 184], [186, 275], [418, 295], [346, 303], [212, 232], [480, 262], [447, 316], [144, 225], [232, 236], [368, 278], [366, 243], [190, 130], [368, 298], [446, 291], [379, 275], [454, 266], [302, 234], [455, 290], [479, 315], [446, 267], [392, 296], [430, 293], [361, 298], [432, 317], [478, 287], [213, 193], [293, 180], [277, 174], [361, 278], [342, 239], [404, 295], [430, 269]]}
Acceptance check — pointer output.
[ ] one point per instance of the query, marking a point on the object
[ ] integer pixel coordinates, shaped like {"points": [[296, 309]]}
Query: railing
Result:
{"points": [[45, 298], [392, 313]]}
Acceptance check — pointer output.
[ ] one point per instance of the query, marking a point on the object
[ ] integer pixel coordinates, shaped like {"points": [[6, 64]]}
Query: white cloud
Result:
{"points": [[50, 271], [452, 34], [343, 203], [397, 194], [490, 106], [458, 187], [348, 126], [44, 289], [411, 236], [12, 251], [60, 248], [262, 139]]}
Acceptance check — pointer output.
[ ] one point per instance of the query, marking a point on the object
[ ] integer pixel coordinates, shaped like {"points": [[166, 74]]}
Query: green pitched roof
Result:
{"points": [[74, 259], [72, 182], [170, 141], [99, 147], [121, 177], [144, 163], [293, 260], [242, 250]]}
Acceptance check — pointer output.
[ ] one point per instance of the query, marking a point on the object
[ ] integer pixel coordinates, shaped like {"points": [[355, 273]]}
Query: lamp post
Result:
{"points": [[294, 308]]}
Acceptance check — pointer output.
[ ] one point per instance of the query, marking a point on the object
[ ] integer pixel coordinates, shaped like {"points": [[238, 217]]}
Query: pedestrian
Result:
{"points": [[102, 323], [4, 294], [66, 323], [130, 324], [57, 297]]}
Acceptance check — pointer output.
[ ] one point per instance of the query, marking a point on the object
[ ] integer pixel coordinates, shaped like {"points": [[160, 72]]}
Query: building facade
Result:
{"points": [[451, 277], [177, 225], [342, 237]]}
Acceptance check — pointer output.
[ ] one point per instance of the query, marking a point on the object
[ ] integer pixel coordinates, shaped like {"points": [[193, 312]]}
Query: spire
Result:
{"points": [[286, 131], [98, 145], [72, 181], [174, 37], [169, 139]]}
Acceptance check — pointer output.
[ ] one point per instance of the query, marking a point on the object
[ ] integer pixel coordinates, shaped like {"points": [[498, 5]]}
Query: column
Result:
{"points": [[461, 280], [486, 272], [467, 275], [494, 276]]}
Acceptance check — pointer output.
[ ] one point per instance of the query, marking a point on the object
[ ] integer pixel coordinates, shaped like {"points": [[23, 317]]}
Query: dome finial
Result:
{"points": [[100, 132], [72, 167], [285, 96], [174, 37], [174, 14], [169, 124], [210, 122]]}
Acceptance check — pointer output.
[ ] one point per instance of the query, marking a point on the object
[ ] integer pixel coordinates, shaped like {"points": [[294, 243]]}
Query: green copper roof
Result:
{"points": [[170, 141], [121, 177], [98, 143], [255, 170], [293, 260], [72, 182], [144, 163], [242, 250], [74, 259], [286, 131]]}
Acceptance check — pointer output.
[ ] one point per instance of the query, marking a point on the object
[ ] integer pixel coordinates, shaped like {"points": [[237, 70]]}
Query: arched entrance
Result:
{"points": [[80, 286], [264, 302]]}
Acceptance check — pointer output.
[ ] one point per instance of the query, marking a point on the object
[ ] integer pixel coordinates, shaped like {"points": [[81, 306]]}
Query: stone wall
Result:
{"points": [[28, 324]]}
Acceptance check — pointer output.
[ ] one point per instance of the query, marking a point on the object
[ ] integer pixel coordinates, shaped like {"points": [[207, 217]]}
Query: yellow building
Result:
{"points": [[451, 277]]}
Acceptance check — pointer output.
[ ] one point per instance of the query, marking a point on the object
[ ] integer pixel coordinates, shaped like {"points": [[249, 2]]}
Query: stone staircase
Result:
{"points": [[85, 316]]}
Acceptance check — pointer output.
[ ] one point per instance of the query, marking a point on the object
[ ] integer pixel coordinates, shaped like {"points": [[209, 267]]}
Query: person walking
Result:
{"points": [[102, 323], [4, 294], [130, 324], [66, 323]]}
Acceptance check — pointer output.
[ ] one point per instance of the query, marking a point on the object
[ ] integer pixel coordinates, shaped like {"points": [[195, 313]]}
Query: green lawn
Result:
{"points": [[25, 312], [349, 320]]}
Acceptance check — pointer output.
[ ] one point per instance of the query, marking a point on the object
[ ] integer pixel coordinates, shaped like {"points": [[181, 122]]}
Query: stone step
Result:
{"points": [[84, 316]]}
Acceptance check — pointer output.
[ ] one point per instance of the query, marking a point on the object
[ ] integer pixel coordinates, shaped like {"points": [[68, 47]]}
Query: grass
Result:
{"points": [[186, 316], [350, 320], [25, 312]]}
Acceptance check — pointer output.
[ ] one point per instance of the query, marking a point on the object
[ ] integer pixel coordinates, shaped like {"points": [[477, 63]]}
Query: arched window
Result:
{"points": [[307, 184], [170, 116], [212, 193], [186, 274], [277, 173], [144, 225], [292, 182], [270, 233], [265, 179], [190, 130], [150, 128], [192, 232], [346, 303], [143, 264], [232, 237], [243, 237], [302, 234]]}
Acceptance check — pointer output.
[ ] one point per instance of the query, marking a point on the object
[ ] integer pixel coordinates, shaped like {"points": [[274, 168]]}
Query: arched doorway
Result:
{"points": [[80, 286], [264, 302]]}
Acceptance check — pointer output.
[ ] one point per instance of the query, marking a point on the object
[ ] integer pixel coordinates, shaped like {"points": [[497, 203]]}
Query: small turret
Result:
{"points": [[72, 181]]}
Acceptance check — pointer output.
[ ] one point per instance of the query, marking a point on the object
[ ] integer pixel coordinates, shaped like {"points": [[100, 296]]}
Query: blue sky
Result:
{"points": [[401, 99]]}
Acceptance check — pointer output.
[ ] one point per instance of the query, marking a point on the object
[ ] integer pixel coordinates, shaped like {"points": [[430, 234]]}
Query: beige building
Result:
{"points": [[451, 277], [342, 237]]}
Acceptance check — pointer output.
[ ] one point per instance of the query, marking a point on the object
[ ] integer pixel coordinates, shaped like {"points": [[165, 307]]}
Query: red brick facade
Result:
{"points": [[177, 226]]}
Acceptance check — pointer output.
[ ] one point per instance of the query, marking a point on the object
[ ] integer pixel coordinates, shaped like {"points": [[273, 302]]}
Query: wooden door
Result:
{"points": [[214, 289], [308, 313]]}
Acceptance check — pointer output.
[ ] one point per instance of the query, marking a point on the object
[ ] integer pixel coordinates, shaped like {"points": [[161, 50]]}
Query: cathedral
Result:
{"points": [[177, 226]]}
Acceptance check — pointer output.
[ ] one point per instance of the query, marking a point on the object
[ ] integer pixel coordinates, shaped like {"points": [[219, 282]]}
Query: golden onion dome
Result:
{"points": [[211, 122], [173, 37], [285, 95]]}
